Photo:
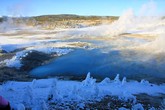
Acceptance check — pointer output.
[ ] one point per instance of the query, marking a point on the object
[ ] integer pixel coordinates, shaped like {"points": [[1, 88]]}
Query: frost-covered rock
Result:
{"points": [[117, 80], [127, 96], [96, 90], [80, 106], [137, 107], [20, 107], [8, 86], [89, 81], [43, 105], [13, 62], [144, 82], [122, 108], [33, 84], [54, 93], [74, 94], [75, 90], [123, 81], [105, 81], [28, 96]]}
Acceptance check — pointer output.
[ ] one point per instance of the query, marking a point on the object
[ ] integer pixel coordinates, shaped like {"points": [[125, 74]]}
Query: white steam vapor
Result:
{"points": [[156, 46], [118, 27], [149, 9], [20, 8], [128, 22], [148, 22]]}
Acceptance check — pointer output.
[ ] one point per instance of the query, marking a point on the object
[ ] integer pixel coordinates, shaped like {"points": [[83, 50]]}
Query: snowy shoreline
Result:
{"points": [[44, 92]]}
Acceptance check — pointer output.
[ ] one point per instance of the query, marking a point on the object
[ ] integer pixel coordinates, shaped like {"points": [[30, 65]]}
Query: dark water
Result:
{"points": [[101, 65]]}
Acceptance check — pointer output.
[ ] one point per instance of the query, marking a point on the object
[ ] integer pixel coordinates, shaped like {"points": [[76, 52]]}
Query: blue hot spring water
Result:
{"points": [[101, 65]]}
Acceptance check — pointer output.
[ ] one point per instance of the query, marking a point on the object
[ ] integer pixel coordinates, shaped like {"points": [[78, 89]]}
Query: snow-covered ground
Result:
{"points": [[40, 94]]}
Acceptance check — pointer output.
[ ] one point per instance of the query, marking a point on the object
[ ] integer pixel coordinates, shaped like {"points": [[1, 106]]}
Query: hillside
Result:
{"points": [[61, 21]]}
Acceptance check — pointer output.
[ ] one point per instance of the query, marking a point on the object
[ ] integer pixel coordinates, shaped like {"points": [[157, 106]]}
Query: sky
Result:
{"points": [[79, 7]]}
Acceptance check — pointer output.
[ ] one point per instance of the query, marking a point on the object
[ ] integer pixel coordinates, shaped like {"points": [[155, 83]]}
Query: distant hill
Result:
{"points": [[72, 17], [61, 21]]}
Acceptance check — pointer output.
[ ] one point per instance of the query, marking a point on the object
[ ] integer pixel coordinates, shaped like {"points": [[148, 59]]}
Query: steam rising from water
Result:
{"points": [[156, 46], [127, 23], [148, 23]]}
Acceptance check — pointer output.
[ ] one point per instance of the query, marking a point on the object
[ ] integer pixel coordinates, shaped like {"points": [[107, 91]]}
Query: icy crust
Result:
{"points": [[44, 93], [15, 61]]}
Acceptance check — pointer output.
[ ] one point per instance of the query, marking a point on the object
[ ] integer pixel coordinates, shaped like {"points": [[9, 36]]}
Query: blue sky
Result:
{"points": [[79, 7]]}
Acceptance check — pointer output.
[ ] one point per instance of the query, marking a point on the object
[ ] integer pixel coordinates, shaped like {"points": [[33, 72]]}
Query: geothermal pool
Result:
{"points": [[104, 62]]}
